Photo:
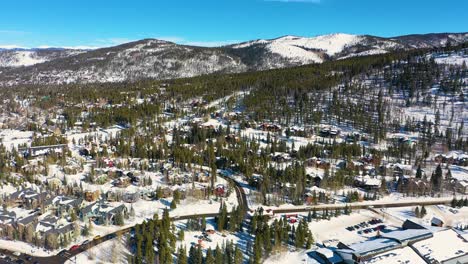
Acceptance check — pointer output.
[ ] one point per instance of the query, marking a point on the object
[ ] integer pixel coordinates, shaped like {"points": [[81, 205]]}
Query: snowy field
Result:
{"points": [[111, 251], [291, 256]]}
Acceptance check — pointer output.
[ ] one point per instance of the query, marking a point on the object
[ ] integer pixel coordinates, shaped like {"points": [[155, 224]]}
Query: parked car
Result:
{"points": [[74, 247]]}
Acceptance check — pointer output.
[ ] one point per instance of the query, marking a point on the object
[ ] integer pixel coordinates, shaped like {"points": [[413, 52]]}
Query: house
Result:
{"points": [[101, 212], [270, 127], [24, 222], [63, 205], [91, 196], [367, 182], [332, 132], [167, 192], [63, 232], [325, 255], [131, 197], [7, 220], [280, 157], [122, 182], [401, 169], [462, 186], [135, 180], [202, 177], [29, 198]]}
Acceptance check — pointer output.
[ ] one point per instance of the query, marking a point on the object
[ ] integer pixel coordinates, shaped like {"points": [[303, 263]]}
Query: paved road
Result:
{"points": [[57, 259], [68, 254], [362, 206]]}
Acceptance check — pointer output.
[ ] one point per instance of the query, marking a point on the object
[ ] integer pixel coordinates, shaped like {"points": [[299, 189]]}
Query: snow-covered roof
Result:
{"points": [[373, 246], [443, 246], [367, 180], [408, 234], [401, 255]]}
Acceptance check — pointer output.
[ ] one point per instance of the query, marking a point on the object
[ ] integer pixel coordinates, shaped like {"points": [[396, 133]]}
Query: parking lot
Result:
{"points": [[368, 227]]}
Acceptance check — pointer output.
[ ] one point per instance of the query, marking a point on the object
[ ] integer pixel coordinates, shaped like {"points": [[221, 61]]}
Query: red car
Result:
{"points": [[75, 247]]}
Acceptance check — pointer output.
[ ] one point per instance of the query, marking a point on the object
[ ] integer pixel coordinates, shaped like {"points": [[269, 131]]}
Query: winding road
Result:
{"points": [[241, 196]]}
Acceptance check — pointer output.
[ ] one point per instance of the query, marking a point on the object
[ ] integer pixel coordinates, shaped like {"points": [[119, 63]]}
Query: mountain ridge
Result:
{"points": [[161, 59]]}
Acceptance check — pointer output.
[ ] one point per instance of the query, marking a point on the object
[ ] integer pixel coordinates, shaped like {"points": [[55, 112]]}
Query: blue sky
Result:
{"points": [[33, 23]]}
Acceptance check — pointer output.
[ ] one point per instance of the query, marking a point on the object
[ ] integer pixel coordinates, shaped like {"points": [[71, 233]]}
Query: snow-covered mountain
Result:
{"points": [[17, 57], [306, 50], [151, 58]]}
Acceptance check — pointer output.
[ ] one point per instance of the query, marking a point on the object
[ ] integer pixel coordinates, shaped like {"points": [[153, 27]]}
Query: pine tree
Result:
{"points": [[453, 203], [238, 256], [203, 223], [419, 172], [423, 211], [173, 204], [182, 256], [218, 255], [209, 257]]}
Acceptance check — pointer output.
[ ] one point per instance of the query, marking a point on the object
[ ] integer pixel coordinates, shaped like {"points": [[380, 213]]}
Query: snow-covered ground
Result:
{"points": [[239, 239], [291, 256], [111, 251], [450, 216], [453, 59], [11, 138]]}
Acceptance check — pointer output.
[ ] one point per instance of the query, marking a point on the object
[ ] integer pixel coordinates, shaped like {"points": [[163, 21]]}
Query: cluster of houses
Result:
{"points": [[30, 214], [452, 158]]}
